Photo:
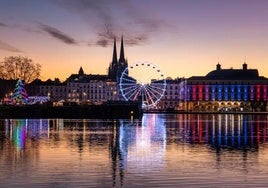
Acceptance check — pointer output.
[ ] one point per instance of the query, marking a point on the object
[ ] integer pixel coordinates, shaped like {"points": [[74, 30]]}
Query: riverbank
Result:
{"points": [[202, 112], [105, 111]]}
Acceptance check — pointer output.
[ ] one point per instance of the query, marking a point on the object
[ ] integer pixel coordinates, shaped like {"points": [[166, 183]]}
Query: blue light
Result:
{"points": [[213, 88], [232, 92], [188, 92], [226, 92], [239, 92], [245, 92], [220, 92]]}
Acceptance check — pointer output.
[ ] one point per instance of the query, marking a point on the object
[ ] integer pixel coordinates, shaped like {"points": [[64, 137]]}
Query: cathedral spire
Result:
{"points": [[114, 53], [112, 71], [122, 54]]}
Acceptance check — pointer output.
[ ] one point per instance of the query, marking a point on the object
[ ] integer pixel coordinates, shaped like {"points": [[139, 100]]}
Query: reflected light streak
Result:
{"points": [[20, 129], [142, 144]]}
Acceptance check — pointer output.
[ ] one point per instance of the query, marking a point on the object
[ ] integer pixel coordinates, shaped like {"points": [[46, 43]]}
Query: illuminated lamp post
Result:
{"points": [[84, 97]]}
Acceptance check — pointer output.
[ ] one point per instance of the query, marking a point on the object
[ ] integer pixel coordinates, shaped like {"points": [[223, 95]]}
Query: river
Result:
{"points": [[158, 150]]}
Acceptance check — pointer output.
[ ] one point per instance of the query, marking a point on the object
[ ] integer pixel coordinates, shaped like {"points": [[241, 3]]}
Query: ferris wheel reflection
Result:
{"points": [[143, 143]]}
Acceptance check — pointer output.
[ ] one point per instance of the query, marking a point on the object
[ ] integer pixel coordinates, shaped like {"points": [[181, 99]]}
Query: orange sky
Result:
{"points": [[183, 38]]}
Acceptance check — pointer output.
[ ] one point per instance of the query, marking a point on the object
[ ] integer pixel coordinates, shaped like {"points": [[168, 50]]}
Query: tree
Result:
{"points": [[20, 95], [17, 67]]}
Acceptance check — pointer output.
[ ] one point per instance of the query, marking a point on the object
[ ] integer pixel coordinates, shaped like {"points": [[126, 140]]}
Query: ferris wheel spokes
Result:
{"points": [[143, 81], [155, 89], [130, 92], [152, 93], [150, 97]]}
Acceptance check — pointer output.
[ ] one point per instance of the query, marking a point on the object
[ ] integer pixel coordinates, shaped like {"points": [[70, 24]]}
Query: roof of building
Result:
{"points": [[86, 78], [38, 82], [231, 74]]}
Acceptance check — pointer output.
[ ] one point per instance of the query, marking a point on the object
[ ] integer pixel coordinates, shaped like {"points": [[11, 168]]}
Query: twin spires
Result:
{"points": [[122, 53], [117, 66]]}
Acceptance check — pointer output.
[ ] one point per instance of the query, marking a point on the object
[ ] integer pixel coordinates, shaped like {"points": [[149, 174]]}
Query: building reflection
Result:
{"points": [[222, 131]]}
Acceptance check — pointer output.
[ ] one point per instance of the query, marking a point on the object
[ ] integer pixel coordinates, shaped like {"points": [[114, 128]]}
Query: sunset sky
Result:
{"points": [[183, 37]]}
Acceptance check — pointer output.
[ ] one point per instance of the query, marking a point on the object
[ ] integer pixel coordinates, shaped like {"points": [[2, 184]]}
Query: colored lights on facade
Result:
{"points": [[224, 92]]}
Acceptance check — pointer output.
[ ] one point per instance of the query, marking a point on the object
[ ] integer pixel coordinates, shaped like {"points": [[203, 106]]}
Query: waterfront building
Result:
{"points": [[90, 88], [170, 100], [55, 90], [225, 90], [101, 89], [78, 88]]}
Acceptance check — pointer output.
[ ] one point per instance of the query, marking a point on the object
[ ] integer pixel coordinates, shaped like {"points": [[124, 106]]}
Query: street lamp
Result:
{"points": [[84, 97]]}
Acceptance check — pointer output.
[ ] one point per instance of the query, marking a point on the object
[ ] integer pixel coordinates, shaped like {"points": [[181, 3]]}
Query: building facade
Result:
{"points": [[225, 90], [170, 99]]}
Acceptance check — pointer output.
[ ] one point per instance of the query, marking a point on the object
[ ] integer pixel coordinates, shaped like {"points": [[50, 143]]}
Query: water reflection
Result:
{"points": [[158, 150], [222, 131], [18, 130], [139, 145]]}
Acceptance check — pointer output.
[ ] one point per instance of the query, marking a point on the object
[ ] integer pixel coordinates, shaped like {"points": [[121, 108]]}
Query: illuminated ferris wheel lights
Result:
{"points": [[145, 82]]}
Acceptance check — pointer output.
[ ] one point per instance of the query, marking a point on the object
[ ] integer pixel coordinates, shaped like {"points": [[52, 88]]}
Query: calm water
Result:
{"points": [[156, 151]]}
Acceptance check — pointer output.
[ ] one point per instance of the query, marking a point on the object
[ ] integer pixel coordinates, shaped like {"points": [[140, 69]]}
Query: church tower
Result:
{"points": [[114, 64], [117, 66], [122, 63]]}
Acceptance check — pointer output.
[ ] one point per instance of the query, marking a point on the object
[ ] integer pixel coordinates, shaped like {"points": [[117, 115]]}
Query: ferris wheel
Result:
{"points": [[143, 81]]}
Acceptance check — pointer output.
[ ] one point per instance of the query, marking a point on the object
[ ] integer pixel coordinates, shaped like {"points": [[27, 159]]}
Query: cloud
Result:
{"points": [[58, 34], [8, 47], [103, 42], [136, 40], [110, 19], [3, 24], [105, 36]]}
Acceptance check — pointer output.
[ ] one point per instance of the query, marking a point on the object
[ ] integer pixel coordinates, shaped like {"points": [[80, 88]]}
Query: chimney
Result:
{"points": [[218, 67], [245, 66]]}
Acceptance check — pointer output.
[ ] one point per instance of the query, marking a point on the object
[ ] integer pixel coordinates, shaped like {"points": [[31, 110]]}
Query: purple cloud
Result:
{"points": [[8, 47], [3, 24], [111, 21], [55, 33]]}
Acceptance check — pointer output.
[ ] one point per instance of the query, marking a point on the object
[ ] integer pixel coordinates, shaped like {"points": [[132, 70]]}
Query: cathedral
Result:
{"points": [[117, 66]]}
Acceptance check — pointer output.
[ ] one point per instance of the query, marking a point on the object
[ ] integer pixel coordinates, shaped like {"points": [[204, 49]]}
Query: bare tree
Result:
{"points": [[17, 67]]}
